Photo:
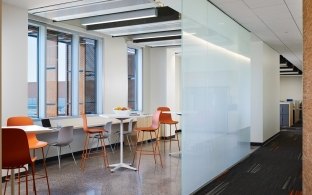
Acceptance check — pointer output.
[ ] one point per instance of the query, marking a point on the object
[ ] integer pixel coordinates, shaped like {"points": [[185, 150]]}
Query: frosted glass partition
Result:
{"points": [[215, 93]]}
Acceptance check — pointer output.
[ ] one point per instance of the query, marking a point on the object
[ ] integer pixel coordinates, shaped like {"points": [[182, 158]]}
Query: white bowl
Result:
{"points": [[122, 112]]}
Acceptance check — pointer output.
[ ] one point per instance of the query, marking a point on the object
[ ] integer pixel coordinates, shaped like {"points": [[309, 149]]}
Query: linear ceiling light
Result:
{"points": [[123, 16], [289, 73], [286, 69], [157, 35]]}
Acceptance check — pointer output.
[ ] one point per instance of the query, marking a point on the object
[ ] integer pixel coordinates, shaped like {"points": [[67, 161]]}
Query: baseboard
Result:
{"points": [[264, 143]]}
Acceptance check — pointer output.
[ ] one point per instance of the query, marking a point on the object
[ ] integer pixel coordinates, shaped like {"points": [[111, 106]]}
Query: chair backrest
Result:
{"points": [[108, 127], [22, 121], [155, 119], [15, 149], [19, 121], [130, 125], [65, 135], [164, 116], [84, 122]]}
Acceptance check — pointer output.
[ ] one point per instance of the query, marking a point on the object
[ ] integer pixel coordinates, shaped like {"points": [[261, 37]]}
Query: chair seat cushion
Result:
{"points": [[145, 129], [39, 144], [171, 122], [94, 130]]}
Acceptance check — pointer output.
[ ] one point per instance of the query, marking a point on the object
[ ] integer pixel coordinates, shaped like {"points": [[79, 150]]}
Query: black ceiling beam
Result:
{"points": [[157, 39], [163, 14]]}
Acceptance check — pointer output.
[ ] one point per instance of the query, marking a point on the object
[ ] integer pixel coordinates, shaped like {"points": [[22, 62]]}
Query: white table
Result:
{"points": [[28, 129], [121, 163]]}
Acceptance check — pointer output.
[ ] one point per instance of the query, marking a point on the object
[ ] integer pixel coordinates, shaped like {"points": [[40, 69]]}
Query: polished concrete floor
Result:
{"points": [[151, 179]]}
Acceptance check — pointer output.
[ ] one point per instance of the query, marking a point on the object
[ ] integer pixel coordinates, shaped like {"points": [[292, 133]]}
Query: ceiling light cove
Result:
{"points": [[163, 14], [124, 16]]}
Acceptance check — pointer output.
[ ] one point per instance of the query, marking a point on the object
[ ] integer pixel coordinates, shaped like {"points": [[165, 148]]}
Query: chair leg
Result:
{"points": [[72, 154], [6, 181], [58, 155], [109, 142], [157, 147], [170, 137], [153, 147], [33, 176], [46, 156], [104, 150], [177, 136], [83, 156], [141, 149], [45, 170], [26, 181], [128, 142], [136, 147], [19, 181]]}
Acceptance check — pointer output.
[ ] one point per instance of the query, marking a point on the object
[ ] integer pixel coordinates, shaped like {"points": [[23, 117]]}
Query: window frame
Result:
{"points": [[41, 74], [138, 77]]}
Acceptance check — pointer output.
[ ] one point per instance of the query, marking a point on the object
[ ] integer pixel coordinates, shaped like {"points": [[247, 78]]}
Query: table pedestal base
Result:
{"points": [[120, 165]]}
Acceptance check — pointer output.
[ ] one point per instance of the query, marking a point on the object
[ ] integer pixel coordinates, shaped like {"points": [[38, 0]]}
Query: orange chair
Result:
{"points": [[33, 142], [154, 128], [90, 133], [15, 154], [165, 119]]}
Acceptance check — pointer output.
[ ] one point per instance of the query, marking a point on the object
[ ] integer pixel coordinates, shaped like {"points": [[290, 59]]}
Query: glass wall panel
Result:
{"points": [[215, 93]]}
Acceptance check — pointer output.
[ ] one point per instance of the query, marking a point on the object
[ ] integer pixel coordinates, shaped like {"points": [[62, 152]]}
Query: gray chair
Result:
{"points": [[64, 138], [128, 133], [107, 134]]}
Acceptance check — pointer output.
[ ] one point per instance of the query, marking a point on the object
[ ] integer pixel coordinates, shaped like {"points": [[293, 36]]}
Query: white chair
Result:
{"points": [[107, 134], [64, 138], [128, 133]]}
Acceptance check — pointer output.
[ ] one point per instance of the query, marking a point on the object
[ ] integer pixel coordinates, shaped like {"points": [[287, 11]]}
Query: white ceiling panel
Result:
{"points": [[262, 3], [94, 8], [277, 22]]}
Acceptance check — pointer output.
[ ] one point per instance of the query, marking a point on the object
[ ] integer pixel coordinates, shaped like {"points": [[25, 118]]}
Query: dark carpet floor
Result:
{"points": [[273, 169]]}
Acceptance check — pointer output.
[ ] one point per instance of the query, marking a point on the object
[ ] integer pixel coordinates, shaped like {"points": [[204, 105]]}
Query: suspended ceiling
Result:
{"points": [[277, 22]]}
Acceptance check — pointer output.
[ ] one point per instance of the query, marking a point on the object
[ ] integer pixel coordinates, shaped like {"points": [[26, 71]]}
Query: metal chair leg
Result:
{"points": [[72, 154]]}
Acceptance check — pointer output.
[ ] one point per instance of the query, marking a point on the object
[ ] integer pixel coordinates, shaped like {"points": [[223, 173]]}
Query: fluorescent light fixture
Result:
{"points": [[157, 35], [283, 65], [123, 16], [289, 73], [286, 69]]}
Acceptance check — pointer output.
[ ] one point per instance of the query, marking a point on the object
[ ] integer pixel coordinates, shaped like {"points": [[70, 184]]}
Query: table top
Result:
{"points": [[32, 128], [123, 117]]}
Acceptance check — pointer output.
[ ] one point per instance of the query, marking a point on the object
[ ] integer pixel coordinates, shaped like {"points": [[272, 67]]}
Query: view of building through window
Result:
{"points": [[58, 74], [33, 98], [87, 76]]}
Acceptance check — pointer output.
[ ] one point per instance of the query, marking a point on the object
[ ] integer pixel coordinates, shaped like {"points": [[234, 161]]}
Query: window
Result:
{"points": [[134, 79], [87, 76], [62, 72], [33, 96], [58, 74]]}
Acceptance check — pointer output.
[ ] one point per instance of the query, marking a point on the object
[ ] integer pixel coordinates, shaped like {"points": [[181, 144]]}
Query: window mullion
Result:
{"points": [[75, 75], [42, 72]]}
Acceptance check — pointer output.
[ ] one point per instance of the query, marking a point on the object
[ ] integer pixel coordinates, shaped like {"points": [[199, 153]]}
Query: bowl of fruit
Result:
{"points": [[124, 111]]}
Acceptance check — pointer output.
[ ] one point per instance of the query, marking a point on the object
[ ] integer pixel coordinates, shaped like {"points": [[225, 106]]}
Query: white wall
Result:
{"points": [[256, 132], [265, 92], [291, 88], [115, 74], [14, 61], [271, 86]]}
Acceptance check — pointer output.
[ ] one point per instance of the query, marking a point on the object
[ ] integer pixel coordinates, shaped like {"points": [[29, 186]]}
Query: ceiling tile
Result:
{"points": [[262, 3]]}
